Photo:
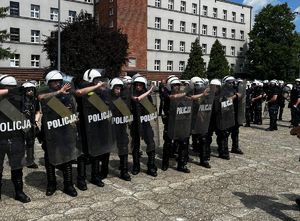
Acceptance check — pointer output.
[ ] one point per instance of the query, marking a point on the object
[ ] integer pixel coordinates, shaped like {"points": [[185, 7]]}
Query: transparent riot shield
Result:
{"points": [[14, 124], [241, 108], [122, 117], [202, 114], [98, 125], [180, 117], [60, 128], [225, 117]]}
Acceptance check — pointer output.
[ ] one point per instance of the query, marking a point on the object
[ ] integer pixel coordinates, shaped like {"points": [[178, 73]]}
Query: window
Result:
{"points": [[182, 6], [15, 60], [182, 26], [204, 48], [233, 16], [157, 65], [89, 1], [233, 33], [35, 36], [14, 34], [232, 66], [194, 28], [35, 61], [171, 4], [241, 50], [169, 65], [224, 49], [204, 29], [215, 31], [54, 14], [157, 3], [194, 8], [157, 22], [111, 24], [182, 46], [132, 62], [225, 14], [232, 51], [170, 45], [215, 12], [181, 65], [170, 24], [224, 32], [14, 8], [111, 11], [242, 18], [35, 11], [204, 10], [157, 44], [72, 15], [242, 35]]}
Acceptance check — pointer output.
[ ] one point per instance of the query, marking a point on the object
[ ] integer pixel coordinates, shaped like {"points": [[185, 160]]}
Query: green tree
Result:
{"points": [[273, 46], [218, 64], [195, 65], [84, 45], [4, 52]]}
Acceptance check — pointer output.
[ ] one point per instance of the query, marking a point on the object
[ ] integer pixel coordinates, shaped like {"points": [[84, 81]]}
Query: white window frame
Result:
{"points": [[182, 26], [182, 46], [15, 60], [224, 32], [54, 14], [111, 24], [242, 18], [224, 49], [170, 45], [225, 14], [35, 36], [204, 10], [34, 11], [169, 65], [170, 24], [171, 4], [232, 51], [157, 3], [35, 61], [157, 23], [132, 62], [194, 8], [233, 16], [157, 44], [111, 11], [233, 32], [204, 49], [215, 31], [156, 65], [181, 65], [183, 6], [72, 15], [194, 28], [242, 35], [204, 29], [215, 12]]}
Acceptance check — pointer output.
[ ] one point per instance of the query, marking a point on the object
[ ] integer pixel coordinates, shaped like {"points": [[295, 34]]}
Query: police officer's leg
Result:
{"points": [[81, 173], [122, 144], [259, 113], [248, 117], [17, 179], [204, 151], [135, 149], [183, 156], [235, 140], [280, 112], [148, 136], [3, 148], [30, 153], [95, 173], [124, 167], [222, 140], [166, 149], [104, 165], [50, 171], [68, 179]]}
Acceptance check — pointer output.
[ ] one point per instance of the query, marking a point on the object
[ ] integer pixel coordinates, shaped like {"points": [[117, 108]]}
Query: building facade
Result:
{"points": [[160, 32], [29, 23]]}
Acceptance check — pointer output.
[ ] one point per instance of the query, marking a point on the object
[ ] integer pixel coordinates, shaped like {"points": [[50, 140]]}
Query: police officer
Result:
{"points": [[60, 132], [294, 103], [31, 110], [12, 140], [257, 100], [281, 99], [272, 102], [249, 110], [141, 128]]}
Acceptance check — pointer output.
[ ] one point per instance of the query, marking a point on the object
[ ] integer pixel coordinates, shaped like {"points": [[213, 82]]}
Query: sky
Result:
{"points": [[259, 4]]}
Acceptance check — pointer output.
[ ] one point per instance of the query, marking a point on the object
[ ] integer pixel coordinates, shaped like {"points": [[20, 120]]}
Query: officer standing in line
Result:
{"points": [[12, 142], [31, 109], [257, 100], [281, 99], [249, 110], [60, 132], [272, 102], [141, 128], [294, 103]]}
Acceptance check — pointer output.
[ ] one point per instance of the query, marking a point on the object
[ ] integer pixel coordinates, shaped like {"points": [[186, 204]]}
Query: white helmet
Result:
{"points": [[256, 82], [8, 80], [127, 79], [280, 82], [196, 79], [266, 81], [53, 75], [174, 81], [297, 80], [115, 82], [136, 76], [28, 85], [215, 82], [228, 78], [274, 81], [90, 74], [290, 86], [141, 80], [248, 84]]}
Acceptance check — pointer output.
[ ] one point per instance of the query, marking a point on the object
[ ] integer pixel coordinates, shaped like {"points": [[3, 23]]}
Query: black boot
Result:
{"points": [[203, 152], [235, 144], [104, 165], [223, 149], [136, 161], [81, 173], [51, 178], [17, 179], [182, 157], [68, 180], [298, 201], [95, 176], [30, 156], [166, 156], [124, 175], [152, 169]]}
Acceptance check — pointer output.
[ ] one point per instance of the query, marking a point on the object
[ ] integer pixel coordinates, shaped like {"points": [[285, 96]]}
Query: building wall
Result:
{"points": [[26, 23]]}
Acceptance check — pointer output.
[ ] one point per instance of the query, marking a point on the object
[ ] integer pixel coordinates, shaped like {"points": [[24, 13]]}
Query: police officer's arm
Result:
{"points": [[176, 96], [3, 92], [297, 103], [63, 90], [198, 96], [256, 98], [274, 98], [142, 96], [86, 90]]}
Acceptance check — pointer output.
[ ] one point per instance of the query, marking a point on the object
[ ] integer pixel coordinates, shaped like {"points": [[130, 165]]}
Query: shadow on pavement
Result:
{"points": [[268, 204], [7, 188]]}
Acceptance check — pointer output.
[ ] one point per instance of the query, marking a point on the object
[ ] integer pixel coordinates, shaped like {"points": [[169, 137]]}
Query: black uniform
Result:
{"points": [[249, 108], [273, 107], [281, 102], [295, 114], [257, 104]]}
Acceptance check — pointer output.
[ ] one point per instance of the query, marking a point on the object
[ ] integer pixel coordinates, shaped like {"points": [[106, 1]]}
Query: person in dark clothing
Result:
{"points": [[281, 99], [249, 109], [161, 89], [294, 103], [272, 102], [257, 100]]}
